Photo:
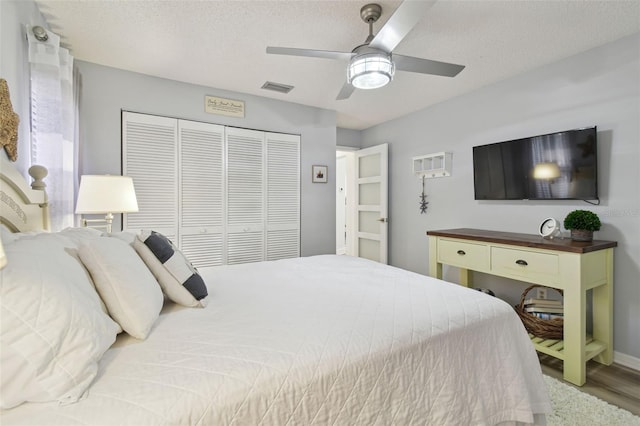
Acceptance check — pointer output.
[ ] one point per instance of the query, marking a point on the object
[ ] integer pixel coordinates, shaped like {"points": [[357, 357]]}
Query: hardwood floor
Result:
{"points": [[615, 384]]}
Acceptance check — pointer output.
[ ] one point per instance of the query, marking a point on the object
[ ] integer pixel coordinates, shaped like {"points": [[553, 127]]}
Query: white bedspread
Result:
{"points": [[326, 340]]}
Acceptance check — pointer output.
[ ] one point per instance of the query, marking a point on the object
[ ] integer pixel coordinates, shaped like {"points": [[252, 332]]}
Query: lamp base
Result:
{"points": [[105, 223]]}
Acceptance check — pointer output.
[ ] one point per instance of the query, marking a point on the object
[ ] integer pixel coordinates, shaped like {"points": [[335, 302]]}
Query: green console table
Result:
{"points": [[574, 267]]}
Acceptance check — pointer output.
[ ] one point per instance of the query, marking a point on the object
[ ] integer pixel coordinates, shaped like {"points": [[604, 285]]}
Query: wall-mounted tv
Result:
{"points": [[557, 166]]}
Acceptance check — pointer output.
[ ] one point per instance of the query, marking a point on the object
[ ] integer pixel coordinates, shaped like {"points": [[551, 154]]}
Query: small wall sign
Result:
{"points": [[223, 106]]}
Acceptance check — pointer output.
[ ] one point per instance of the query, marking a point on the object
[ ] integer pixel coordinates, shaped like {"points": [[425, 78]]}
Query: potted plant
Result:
{"points": [[582, 223]]}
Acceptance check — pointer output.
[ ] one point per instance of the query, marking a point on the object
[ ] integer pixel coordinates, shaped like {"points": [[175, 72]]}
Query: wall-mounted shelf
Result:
{"points": [[433, 165]]}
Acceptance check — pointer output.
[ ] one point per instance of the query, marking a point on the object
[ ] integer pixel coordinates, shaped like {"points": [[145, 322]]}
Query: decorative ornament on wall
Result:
{"points": [[9, 121], [423, 199]]}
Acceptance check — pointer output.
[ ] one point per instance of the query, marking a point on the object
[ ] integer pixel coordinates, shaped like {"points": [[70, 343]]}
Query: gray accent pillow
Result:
{"points": [[178, 278]]}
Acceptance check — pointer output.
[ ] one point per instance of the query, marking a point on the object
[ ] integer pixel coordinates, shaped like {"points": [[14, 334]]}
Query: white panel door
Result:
{"points": [[149, 152], [283, 196], [224, 195], [201, 192], [341, 204], [371, 220], [245, 213]]}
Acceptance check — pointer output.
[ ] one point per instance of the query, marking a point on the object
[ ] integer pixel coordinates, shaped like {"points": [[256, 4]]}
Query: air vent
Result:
{"points": [[277, 87]]}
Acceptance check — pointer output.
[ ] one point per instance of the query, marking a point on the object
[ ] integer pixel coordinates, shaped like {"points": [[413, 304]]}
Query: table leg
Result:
{"points": [[435, 268], [575, 333], [466, 278], [603, 314]]}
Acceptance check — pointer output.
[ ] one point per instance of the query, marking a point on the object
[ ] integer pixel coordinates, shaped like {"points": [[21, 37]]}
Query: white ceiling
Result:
{"points": [[221, 44]]}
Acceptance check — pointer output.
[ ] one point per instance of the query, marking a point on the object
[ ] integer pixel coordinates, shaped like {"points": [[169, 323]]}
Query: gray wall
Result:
{"points": [[600, 87], [348, 138], [14, 66], [106, 91]]}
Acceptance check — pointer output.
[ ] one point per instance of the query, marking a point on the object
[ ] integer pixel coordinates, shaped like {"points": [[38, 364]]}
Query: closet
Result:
{"points": [[223, 195]]}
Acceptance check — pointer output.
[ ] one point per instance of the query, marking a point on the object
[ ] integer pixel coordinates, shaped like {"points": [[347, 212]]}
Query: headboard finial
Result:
{"points": [[38, 173], [23, 209]]}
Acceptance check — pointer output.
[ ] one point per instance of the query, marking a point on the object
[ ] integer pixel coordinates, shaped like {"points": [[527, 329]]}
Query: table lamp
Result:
{"points": [[106, 194]]}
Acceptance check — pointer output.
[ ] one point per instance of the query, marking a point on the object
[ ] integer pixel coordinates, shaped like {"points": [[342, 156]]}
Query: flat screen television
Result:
{"points": [[556, 166]]}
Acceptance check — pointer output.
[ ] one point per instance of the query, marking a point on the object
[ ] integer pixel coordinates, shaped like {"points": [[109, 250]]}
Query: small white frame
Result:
{"points": [[319, 174]]}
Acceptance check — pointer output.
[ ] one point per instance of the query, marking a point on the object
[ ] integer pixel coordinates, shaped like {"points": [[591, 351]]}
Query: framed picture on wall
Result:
{"points": [[319, 174]]}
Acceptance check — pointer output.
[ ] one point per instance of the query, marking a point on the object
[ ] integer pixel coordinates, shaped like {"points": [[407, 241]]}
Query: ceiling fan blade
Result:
{"points": [[401, 22], [426, 66], [327, 54], [345, 92]]}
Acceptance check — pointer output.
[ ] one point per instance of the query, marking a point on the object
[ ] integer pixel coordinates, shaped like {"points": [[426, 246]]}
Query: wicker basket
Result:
{"points": [[546, 329]]}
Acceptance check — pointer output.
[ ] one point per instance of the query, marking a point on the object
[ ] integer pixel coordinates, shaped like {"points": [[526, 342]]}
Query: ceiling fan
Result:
{"points": [[371, 64]]}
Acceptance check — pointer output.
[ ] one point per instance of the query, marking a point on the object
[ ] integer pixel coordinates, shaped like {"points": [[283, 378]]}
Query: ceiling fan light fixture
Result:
{"points": [[370, 70]]}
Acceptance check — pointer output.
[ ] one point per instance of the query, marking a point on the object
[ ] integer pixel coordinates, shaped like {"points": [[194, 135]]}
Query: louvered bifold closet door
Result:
{"points": [[201, 192], [283, 196], [149, 151], [245, 196]]}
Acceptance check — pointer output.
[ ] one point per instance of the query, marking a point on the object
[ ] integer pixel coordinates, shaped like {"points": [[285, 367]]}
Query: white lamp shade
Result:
{"points": [[106, 194], [546, 171]]}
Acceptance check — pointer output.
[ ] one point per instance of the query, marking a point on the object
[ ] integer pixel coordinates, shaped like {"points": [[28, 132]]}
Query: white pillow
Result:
{"points": [[53, 332], [9, 237], [126, 236], [80, 236], [178, 278], [6, 235], [132, 295]]}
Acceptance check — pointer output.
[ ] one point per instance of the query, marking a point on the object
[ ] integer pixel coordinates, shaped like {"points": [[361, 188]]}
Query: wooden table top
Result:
{"points": [[524, 240]]}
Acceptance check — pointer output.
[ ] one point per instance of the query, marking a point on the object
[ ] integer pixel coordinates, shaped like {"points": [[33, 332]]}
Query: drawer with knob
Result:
{"points": [[525, 264], [463, 254]]}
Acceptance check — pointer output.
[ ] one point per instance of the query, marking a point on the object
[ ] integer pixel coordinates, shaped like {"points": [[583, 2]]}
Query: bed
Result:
{"points": [[326, 340]]}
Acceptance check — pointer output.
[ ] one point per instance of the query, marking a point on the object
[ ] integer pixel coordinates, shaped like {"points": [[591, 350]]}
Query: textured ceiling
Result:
{"points": [[221, 44]]}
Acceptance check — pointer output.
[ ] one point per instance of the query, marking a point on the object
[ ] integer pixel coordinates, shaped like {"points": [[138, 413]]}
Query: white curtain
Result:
{"points": [[53, 123]]}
